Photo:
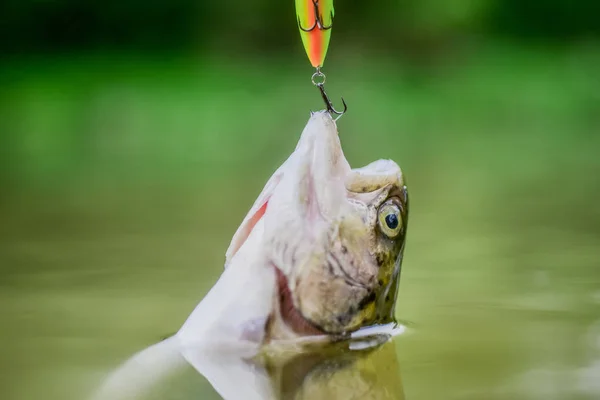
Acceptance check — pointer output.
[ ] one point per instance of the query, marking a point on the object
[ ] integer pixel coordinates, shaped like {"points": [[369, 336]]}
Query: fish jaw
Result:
{"points": [[309, 203], [309, 196], [316, 162]]}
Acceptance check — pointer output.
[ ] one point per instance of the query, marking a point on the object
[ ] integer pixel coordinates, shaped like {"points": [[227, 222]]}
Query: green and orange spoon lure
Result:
{"points": [[315, 20]]}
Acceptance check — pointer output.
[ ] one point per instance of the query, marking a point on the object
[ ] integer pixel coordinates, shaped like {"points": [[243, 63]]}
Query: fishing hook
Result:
{"points": [[318, 79], [318, 20], [330, 108]]}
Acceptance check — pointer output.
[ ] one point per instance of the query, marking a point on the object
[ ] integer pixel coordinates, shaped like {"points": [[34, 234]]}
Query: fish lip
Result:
{"points": [[326, 166], [288, 311]]}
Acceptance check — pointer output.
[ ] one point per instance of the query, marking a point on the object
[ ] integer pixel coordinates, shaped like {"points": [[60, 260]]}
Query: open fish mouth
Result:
{"points": [[322, 237]]}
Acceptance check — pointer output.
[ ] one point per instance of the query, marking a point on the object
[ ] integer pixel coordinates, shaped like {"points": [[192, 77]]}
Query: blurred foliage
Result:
{"points": [[265, 24], [83, 79], [106, 117]]}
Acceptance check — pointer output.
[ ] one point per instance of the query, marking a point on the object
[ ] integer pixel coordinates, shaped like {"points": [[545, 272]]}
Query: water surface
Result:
{"points": [[108, 240]]}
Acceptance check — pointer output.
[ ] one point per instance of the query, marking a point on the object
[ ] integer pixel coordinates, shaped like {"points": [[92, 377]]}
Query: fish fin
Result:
{"points": [[142, 371], [254, 215]]}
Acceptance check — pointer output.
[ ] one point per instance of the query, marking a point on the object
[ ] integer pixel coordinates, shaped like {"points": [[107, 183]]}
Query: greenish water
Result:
{"points": [[123, 186]]}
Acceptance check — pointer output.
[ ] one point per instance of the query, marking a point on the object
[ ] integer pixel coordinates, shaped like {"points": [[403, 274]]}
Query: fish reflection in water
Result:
{"points": [[363, 367], [371, 373]]}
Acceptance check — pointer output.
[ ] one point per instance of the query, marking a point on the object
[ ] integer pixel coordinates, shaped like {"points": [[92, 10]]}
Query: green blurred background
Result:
{"points": [[135, 135]]}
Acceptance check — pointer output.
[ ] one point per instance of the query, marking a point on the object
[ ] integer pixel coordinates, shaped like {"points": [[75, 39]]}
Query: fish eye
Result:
{"points": [[390, 220]]}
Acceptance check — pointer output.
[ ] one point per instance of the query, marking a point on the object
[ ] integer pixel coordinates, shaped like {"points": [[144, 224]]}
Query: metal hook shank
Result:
{"points": [[328, 102], [318, 20]]}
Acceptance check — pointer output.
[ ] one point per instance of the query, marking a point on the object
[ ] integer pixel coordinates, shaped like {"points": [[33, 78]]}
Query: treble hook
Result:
{"points": [[318, 79], [328, 104], [318, 20]]}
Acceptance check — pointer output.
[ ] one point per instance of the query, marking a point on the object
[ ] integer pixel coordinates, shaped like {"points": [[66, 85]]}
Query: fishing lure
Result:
{"points": [[315, 21]]}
